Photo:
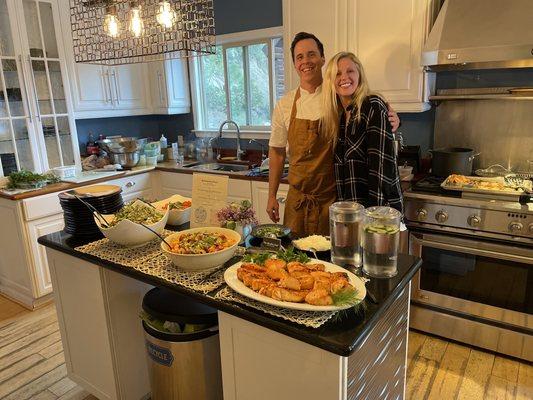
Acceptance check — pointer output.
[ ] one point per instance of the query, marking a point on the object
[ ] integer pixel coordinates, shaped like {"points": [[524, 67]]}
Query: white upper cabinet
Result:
{"points": [[129, 89], [387, 35], [101, 91], [92, 87], [169, 82]]}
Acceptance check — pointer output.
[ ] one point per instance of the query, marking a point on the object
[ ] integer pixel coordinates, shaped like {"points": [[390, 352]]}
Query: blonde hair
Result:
{"points": [[331, 102]]}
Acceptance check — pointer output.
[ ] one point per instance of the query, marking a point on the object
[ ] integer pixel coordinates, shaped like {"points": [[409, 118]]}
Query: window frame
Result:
{"points": [[239, 39]]}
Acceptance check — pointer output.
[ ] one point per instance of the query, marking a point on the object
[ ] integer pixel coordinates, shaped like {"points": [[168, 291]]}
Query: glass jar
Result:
{"points": [[380, 241], [345, 218]]}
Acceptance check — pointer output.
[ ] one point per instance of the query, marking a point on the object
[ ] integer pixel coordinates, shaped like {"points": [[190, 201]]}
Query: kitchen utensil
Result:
{"points": [[493, 170], [100, 217], [345, 218], [176, 217], [127, 160], [157, 234], [452, 160], [397, 143]]}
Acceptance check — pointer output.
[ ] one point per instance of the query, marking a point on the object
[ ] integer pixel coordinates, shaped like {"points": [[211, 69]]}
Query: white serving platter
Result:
{"points": [[230, 276]]}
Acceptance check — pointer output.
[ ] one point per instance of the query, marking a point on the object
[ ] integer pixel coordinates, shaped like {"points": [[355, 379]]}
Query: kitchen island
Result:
{"points": [[354, 355]]}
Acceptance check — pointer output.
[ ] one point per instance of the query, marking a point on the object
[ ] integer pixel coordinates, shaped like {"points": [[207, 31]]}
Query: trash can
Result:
{"points": [[183, 347]]}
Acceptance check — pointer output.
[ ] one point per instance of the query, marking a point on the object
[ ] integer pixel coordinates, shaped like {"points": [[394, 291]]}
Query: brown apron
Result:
{"points": [[311, 177]]}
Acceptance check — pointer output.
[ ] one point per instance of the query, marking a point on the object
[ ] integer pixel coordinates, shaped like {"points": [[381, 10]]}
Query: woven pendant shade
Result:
{"points": [[117, 32]]}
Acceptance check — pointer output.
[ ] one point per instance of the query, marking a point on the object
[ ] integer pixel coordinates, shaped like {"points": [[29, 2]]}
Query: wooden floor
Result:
{"points": [[32, 364]]}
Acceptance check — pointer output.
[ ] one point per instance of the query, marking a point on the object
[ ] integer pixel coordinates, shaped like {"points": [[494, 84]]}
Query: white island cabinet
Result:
{"points": [[361, 355], [387, 36]]}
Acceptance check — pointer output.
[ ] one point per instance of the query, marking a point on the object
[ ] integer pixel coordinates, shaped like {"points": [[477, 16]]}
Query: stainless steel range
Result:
{"points": [[476, 281]]}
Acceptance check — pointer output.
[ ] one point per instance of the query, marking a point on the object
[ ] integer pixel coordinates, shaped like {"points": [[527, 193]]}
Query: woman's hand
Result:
{"points": [[273, 209], [394, 119]]}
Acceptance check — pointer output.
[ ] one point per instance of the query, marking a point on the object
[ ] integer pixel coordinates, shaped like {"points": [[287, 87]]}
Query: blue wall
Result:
{"points": [[246, 15]]}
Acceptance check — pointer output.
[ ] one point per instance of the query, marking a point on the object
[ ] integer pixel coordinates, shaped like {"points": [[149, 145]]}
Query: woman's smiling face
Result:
{"points": [[347, 79]]}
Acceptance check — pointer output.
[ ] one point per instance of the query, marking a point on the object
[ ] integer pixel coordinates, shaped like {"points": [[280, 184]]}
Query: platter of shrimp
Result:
{"points": [[296, 282]]}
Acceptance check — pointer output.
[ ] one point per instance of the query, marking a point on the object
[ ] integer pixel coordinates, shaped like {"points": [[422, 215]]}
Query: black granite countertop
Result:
{"points": [[340, 335]]}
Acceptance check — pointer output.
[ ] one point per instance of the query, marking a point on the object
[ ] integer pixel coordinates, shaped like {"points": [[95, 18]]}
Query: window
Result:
{"points": [[241, 82]]}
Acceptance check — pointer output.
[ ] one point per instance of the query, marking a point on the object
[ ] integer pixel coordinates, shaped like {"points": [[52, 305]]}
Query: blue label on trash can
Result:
{"points": [[159, 354]]}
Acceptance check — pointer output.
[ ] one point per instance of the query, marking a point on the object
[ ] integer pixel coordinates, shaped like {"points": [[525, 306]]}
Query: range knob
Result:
{"points": [[530, 228], [473, 221], [421, 214], [515, 226], [441, 216]]}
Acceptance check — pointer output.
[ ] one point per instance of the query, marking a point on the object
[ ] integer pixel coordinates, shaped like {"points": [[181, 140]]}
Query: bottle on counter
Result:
{"points": [[91, 147], [164, 143]]}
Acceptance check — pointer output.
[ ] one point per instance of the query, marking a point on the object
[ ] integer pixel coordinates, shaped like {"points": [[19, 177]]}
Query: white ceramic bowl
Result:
{"points": [[201, 262], [131, 234], [175, 217]]}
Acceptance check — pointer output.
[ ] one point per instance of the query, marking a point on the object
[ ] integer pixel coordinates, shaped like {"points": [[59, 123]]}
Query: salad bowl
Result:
{"points": [[128, 233], [180, 213], [206, 261]]}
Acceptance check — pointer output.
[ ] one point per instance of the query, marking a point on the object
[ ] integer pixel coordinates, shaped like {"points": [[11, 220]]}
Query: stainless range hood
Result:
{"points": [[479, 34]]}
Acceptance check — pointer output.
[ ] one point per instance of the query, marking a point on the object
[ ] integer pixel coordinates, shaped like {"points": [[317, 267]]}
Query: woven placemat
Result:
{"points": [[312, 319], [150, 260]]}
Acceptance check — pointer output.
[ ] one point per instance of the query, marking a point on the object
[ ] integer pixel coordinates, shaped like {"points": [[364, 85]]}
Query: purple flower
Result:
{"points": [[242, 213]]}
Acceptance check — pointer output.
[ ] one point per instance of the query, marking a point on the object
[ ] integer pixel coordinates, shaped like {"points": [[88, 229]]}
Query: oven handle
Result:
{"points": [[471, 250]]}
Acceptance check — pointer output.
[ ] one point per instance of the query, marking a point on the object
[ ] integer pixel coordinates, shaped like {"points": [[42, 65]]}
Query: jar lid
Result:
{"points": [[382, 212], [346, 207]]}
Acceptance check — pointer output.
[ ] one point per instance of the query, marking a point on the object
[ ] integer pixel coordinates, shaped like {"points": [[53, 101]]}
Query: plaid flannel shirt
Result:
{"points": [[366, 168]]}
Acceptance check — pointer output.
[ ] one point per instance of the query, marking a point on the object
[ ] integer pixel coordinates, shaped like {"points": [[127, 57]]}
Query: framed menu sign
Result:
{"points": [[209, 194]]}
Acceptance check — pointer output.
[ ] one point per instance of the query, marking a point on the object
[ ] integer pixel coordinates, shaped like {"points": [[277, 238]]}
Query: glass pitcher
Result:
{"points": [[345, 218], [380, 241]]}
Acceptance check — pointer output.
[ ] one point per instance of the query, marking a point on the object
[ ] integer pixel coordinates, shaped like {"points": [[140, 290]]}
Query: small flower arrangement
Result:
{"points": [[237, 213]]}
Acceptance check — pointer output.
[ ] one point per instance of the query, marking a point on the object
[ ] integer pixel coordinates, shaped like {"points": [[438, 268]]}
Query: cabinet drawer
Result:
{"points": [[134, 183], [41, 206], [177, 181]]}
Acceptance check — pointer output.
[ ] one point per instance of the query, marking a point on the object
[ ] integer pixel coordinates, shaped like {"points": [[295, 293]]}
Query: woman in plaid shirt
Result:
{"points": [[365, 164]]}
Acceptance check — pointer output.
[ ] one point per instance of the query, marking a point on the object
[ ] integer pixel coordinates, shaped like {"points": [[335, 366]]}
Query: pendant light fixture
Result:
{"points": [[136, 24], [111, 24], [166, 17], [124, 31]]}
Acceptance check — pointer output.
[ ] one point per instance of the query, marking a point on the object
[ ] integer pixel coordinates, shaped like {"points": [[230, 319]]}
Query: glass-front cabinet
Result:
{"points": [[37, 131]]}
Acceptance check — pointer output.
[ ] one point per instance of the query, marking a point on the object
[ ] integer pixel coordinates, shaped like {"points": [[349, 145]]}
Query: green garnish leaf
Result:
{"points": [[257, 258], [345, 297]]}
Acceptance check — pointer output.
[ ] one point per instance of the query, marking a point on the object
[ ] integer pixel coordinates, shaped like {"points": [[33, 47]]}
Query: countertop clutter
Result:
{"points": [[169, 166]]}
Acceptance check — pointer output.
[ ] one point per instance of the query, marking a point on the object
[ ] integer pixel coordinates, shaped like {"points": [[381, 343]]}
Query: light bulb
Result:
{"points": [[136, 23], [165, 16], [111, 24]]}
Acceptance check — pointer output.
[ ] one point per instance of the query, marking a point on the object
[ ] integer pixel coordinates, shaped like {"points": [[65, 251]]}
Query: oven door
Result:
{"points": [[475, 278]]}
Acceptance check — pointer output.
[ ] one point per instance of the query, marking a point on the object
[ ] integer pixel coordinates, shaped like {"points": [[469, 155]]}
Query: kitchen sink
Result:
{"points": [[218, 167]]}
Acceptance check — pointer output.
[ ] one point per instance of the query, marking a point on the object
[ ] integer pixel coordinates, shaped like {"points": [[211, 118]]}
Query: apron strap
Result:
{"points": [[293, 109]]}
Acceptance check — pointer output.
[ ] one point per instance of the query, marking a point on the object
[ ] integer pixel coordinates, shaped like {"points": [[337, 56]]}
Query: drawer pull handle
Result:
{"points": [[281, 200], [130, 184]]}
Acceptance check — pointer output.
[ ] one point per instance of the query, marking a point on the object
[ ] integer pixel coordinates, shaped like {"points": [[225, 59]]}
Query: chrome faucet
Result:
{"points": [[263, 154], [229, 121]]}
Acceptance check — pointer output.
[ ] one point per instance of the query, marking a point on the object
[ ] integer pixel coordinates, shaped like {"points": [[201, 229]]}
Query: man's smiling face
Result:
{"points": [[307, 61]]}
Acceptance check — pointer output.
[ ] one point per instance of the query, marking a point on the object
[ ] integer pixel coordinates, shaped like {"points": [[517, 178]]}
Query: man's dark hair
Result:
{"points": [[302, 36]]}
